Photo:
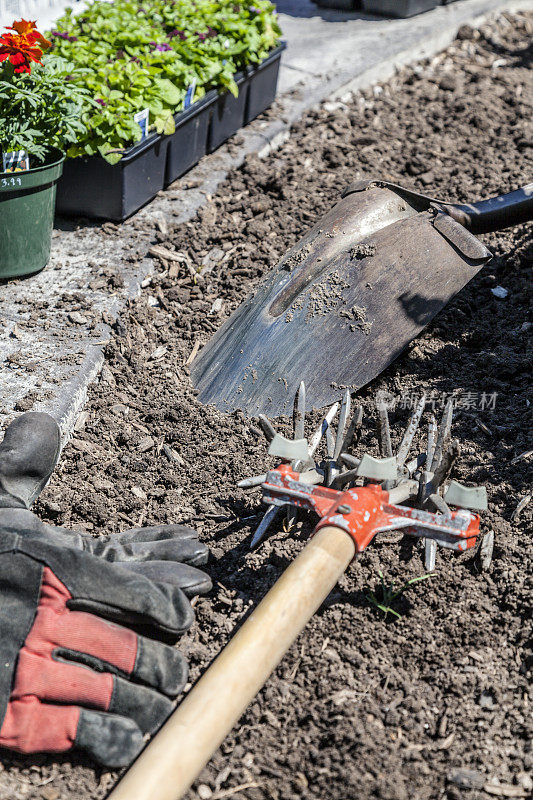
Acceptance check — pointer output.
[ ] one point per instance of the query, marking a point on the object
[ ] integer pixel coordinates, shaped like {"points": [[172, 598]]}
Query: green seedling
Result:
{"points": [[156, 55], [389, 594]]}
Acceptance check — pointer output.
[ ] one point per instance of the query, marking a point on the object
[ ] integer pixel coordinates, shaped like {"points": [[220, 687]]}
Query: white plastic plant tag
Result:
{"points": [[141, 118], [16, 161], [189, 95]]}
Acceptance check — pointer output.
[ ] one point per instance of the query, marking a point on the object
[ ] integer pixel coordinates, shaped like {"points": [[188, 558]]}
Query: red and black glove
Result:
{"points": [[85, 655]]}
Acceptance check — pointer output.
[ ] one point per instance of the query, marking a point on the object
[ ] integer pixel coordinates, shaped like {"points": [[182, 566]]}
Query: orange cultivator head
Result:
{"points": [[367, 510], [365, 496]]}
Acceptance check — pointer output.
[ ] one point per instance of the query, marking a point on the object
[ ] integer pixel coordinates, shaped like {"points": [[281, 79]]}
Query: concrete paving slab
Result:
{"points": [[55, 324]]}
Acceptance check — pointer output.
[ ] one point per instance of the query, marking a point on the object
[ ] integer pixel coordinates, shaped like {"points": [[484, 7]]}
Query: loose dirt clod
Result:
{"points": [[325, 296], [296, 258], [358, 315], [363, 251]]}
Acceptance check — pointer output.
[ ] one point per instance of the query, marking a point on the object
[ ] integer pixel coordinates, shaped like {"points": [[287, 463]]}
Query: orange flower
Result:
{"points": [[29, 30], [23, 47]]}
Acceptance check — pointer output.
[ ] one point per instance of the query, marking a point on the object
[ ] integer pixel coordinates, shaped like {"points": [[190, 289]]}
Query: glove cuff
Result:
{"points": [[16, 613]]}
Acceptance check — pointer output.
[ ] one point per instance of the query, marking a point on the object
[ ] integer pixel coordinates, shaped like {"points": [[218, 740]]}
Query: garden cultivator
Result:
{"points": [[355, 498], [323, 486]]}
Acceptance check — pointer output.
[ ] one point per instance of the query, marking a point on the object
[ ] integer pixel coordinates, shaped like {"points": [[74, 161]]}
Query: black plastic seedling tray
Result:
{"points": [[91, 187], [399, 8]]}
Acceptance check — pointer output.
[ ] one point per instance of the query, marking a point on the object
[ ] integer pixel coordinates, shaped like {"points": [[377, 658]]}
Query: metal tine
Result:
{"points": [[410, 431], [441, 505], [343, 419], [249, 483], [384, 429], [299, 413], [430, 554], [444, 468], [316, 438], [343, 478], [350, 461], [330, 442], [443, 435], [422, 486], [430, 452], [432, 435], [332, 468], [354, 427], [268, 518], [268, 428], [415, 463]]}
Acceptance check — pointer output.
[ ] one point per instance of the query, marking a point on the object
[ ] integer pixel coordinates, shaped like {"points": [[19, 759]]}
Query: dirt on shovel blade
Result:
{"points": [[435, 705]]}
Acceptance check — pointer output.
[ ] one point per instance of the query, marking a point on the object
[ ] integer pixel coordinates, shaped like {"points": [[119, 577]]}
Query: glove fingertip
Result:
{"points": [[111, 740]]}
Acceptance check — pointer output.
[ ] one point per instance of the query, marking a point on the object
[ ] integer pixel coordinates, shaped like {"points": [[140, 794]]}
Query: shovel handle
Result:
{"points": [[186, 742], [496, 213]]}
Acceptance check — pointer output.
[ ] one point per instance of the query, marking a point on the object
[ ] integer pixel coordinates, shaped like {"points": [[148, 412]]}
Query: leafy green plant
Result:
{"points": [[389, 594], [41, 104], [148, 54]]}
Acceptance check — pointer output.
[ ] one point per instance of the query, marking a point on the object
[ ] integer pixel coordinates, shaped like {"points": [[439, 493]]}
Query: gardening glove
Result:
{"points": [[28, 455], [75, 670]]}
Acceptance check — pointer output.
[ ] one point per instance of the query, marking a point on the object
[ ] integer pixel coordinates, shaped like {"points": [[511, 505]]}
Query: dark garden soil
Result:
{"points": [[435, 704]]}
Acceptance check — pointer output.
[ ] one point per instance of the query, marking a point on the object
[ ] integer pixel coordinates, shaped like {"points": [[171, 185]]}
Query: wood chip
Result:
{"points": [[483, 427], [521, 505], [172, 455], [505, 790], [446, 743], [139, 493], [486, 550], [230, 792], [158, 251], [525, 454], [193, 353], [161, 223], [81, 421], [145, 444], [159, 352], [77, 318]]}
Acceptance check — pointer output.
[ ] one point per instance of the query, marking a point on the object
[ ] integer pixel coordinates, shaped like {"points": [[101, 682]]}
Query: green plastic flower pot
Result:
{"points": [[27, 203]]}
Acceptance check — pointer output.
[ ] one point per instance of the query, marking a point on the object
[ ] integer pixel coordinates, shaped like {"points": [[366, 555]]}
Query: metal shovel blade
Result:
{"points": [[341, 305]]}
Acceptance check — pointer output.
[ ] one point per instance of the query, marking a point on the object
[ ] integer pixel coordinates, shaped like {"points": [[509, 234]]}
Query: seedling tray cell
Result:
{"points": [[188, 144], [228, 113], [263, 83]]}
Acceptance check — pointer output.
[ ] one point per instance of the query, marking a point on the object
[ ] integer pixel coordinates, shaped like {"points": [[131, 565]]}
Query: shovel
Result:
{"points": [[349, 297]]}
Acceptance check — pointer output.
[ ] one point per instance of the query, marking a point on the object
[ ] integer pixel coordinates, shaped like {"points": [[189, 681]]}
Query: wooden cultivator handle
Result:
{"points": [[184, 745]]}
